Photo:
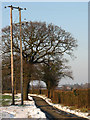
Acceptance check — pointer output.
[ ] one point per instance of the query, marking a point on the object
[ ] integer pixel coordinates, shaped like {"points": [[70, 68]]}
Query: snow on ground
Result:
{"points": [[64, 108], [28, 110]]}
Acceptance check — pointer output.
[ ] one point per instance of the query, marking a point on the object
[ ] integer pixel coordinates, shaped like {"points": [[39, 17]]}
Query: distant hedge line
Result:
{"points": [[79, 98]]}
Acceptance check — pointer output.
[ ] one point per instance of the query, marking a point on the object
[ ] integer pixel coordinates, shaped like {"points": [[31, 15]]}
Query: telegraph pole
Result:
{"points": [[11, 30], [21, 58], [21, 68]]}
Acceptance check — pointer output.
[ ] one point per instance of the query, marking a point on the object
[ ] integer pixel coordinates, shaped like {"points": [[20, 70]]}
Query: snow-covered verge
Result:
{"points": [[64, 108], [28, 110]]}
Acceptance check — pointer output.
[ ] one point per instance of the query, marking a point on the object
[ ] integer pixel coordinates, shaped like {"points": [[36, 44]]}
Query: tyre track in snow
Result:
{"points": [[53, 113]]}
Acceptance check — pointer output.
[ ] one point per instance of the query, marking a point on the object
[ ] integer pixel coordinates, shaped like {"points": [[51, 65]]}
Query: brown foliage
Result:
{"points": [[80, 99]]}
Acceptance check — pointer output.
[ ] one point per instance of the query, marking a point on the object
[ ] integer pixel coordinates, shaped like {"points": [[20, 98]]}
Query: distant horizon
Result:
{"points": [[36, 82]]}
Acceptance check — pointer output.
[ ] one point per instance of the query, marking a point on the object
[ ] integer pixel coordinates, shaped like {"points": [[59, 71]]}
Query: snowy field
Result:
{"points": [[64, 108], [28, 110]]}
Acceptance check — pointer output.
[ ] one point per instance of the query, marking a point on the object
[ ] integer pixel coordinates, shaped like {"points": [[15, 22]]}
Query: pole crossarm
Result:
{"points": [[15, 7]]}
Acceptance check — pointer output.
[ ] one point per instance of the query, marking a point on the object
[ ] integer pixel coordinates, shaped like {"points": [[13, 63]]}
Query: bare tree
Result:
{"points": [[41, 43], [53, 73]]}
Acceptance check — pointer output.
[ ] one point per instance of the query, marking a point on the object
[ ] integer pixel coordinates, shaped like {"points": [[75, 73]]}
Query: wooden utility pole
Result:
{"points": [[21, 68], [21, 58], [11, 31]]}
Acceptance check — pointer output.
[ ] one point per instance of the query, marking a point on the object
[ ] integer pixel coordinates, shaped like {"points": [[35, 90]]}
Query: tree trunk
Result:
{"points": [[51, 96], [40, 91], [48, 93], [28, 88], [32, 86], [27, 71], [25, 91], [59, 98], [48, 87], [15, 90]]}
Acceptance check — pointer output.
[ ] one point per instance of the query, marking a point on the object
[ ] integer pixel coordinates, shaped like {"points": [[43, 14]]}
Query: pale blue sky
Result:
{"points": [[71, 16]]}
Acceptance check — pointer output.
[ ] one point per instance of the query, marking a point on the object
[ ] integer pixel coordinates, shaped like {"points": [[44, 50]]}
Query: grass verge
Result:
{"points": [[7, 99]]}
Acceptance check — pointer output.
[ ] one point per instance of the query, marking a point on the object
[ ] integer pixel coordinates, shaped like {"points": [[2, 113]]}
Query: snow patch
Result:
{"points": [[28, 110], [63, 108]]}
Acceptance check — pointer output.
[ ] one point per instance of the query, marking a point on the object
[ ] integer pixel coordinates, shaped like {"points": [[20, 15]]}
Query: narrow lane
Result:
{"points": [[53, 113]]}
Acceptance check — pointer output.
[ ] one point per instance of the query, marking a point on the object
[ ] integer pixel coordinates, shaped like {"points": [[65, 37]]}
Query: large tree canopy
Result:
{"points": [[42, 44], [41, 41]]}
